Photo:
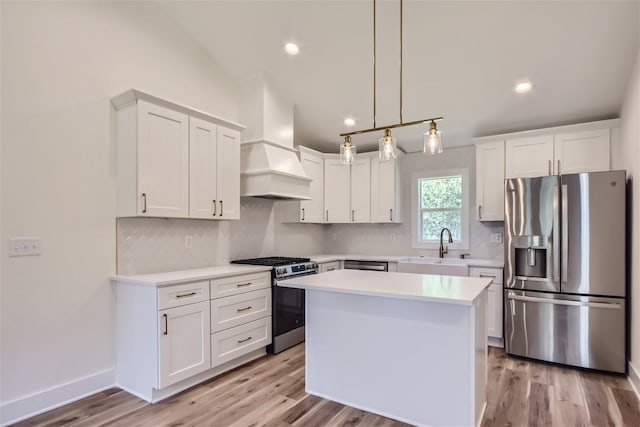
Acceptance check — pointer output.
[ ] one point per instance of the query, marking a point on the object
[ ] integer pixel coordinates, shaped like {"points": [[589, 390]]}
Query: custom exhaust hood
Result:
{"points": [[269, 165]]}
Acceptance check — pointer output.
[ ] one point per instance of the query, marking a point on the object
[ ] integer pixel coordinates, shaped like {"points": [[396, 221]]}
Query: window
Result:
{"points": [[440, 199]]}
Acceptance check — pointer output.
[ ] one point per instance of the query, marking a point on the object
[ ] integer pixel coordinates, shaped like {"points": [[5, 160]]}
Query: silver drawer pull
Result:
{"points": [[239, 285], [564, 302], [244, 309], [487, 275], [190, 294], [244, 340]]}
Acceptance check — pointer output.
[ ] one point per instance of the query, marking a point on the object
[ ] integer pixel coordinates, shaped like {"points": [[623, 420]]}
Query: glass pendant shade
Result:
{"points": [[347, 151], [432, 140], [387, 146]]}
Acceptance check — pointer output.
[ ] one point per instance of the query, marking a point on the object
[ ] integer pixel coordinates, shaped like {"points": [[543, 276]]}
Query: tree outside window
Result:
{"points": [[441, 206]]}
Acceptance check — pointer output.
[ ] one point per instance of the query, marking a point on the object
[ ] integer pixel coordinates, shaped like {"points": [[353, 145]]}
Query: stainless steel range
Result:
{"points": [[287, 303]]}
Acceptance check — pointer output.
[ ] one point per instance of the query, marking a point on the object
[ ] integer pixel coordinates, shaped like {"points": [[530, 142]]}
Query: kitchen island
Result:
{"points": [[412, 347]]}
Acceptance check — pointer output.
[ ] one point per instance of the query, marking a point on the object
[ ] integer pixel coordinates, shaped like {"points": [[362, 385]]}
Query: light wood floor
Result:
{"points": [[270, 392]]}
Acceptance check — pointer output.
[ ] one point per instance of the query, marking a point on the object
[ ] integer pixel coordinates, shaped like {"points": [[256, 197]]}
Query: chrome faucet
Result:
{"points": [[444, 249]]}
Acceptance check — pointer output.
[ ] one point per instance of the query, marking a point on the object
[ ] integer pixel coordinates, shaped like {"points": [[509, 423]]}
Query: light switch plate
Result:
{"points": [[496, 237], [24, 246]]}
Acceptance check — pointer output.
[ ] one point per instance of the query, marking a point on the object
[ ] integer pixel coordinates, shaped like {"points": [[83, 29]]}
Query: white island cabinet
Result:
{"points": [[412, 347]]}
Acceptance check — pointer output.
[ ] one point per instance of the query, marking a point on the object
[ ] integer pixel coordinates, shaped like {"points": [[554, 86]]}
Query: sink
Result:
{"points": [[430, 265]]}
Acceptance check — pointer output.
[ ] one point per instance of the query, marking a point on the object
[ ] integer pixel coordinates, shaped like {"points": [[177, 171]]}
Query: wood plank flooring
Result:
{"points": [[270, 392]]}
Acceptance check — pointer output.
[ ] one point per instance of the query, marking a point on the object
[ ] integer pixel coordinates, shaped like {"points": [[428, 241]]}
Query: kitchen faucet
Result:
{"points": [[443, 249]]}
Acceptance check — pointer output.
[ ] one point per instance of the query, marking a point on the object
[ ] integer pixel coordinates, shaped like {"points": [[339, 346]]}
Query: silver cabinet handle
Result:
{"points": [[558, 171], [244, 309], [564, 230], [327, 215], [190, 294], [549, 167], [166, 324], [479, 211], [144, 202], [244, 340], [487, 275], [391, 214], [221, 208], [240, 285], [564, 302], [352, 215], [302, 214], [215, 208]]}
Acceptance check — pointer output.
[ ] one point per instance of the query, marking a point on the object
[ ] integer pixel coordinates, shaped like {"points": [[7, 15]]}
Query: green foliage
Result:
{"points": [[441, 203]]}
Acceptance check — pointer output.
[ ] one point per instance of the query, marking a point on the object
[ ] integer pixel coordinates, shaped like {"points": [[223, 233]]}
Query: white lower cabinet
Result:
{"points": [[329, 266], [235, 342], [494, 305], [171, 337], [183, 343]]}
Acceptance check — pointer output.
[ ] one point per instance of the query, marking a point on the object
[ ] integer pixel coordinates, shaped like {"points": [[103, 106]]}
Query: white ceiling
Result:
{"points": [[461, 61]]}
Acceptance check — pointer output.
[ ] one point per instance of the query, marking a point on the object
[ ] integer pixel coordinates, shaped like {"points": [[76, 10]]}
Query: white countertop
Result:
{"points": [[422, 287], [173, 277], [471, 262]]}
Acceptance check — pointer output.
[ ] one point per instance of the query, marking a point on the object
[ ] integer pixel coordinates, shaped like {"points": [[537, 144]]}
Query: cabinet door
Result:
{"points": [[163, 162], [313, 210], [329, 266], [202, 169], [490, 181], [228, 174], [184, 339], [529, 157], [361, 190], [578, 152], [336, 191], [383, 191]]}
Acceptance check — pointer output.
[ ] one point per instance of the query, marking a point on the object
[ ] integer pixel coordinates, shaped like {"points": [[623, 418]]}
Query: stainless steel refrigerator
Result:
{"points": [[564, 284]]}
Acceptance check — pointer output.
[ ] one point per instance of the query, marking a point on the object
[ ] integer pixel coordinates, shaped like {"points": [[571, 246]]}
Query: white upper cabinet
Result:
{"points": [[529, 157], [587, 151], [490, 181], [203, 169], [361, 189], [337, 191], [228, 166], [174, 161], [163, 162], [313, 210], [385, 191]]}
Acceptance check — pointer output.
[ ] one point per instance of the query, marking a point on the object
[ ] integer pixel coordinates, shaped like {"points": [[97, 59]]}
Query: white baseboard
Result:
{"points": [[495, 342], [45, 400], [634, 379]]}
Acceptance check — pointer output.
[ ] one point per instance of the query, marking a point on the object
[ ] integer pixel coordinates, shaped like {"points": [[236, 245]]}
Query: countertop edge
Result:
{"points": [[185, 276]]}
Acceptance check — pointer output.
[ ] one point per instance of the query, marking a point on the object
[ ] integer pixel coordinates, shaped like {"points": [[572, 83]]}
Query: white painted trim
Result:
{"points": [[495, 342], [54, 397], [634, 379]]}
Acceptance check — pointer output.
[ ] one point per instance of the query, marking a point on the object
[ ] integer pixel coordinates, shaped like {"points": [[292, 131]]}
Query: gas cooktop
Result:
{"points": [[271, 261]]}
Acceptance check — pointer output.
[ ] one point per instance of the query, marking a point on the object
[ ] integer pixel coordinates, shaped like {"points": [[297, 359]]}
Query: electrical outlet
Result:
{"points": [[334, 236], [188, 242], [24, 246], [393, 236], [496, 237]]}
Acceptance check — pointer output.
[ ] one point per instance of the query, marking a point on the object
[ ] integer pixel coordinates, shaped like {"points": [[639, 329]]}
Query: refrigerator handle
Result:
{"points": [[565, 233], [564, 302], [555, 246]]}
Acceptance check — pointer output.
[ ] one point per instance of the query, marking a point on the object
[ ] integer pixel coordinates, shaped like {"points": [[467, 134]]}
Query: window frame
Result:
{"points": [[416, 210]]}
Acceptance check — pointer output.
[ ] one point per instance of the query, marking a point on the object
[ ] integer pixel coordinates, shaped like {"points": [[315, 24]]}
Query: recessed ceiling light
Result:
{"points": [[523, 87], [349, 121], [291, 48]]}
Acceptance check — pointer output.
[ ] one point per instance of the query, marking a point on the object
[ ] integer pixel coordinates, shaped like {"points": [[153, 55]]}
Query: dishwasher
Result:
{"points": [[366, 265]]}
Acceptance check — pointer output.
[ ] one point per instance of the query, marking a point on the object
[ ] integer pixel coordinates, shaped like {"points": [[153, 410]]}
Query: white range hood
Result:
{"points": [[269, 165]]}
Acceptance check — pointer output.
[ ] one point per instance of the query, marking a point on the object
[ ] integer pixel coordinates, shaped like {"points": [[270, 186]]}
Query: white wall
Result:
{"points": [[61, 63], [395, 239], [628, 157]]}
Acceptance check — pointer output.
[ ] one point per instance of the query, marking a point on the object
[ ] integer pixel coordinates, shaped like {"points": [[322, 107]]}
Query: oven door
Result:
{"points": [[288, 308]]}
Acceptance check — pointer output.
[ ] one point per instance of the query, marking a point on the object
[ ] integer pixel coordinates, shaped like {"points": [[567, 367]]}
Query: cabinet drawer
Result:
{"points": [[238, 309], [329, 266], [494, 273], [234, 285], [243, 339], [177, 295]]}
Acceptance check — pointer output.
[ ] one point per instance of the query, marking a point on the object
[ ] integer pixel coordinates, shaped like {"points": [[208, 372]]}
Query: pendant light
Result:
{"points": [[387, 147], [432, 140], [347, 151]]}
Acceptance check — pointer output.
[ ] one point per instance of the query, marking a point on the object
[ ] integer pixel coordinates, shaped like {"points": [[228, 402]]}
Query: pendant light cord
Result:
{"points": [[400, 61], [374, 63]]}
